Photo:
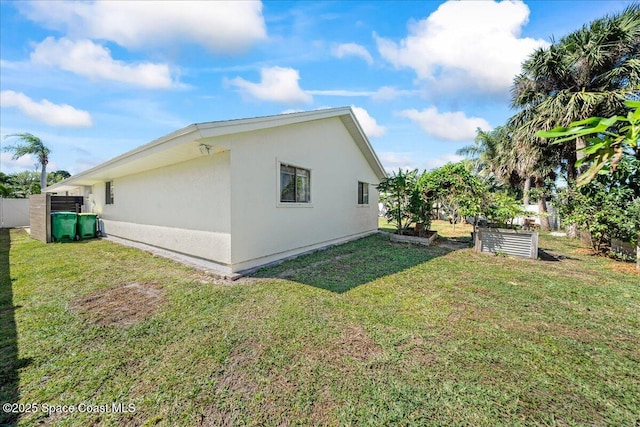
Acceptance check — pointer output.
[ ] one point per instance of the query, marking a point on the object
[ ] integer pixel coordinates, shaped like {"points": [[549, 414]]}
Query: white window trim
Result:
{"points": [[280, 204]]}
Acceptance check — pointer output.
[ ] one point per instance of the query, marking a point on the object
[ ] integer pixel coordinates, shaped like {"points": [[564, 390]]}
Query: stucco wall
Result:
{"points": [[262, 228], [182, 207]]}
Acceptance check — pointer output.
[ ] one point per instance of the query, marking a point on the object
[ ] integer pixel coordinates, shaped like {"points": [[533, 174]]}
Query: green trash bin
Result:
{"points": [[63, 226], [87, 225]]}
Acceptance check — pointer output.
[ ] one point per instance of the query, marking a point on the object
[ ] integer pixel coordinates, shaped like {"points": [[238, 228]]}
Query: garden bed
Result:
{"points": [[427, 240], [506, 241]]}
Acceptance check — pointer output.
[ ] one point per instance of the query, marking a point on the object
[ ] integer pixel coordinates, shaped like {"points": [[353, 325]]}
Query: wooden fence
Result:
{"points": [[40, 208]]}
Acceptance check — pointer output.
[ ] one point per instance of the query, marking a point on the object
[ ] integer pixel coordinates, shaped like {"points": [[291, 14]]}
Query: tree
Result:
{"points": [[5, 185], [589, 72], [23, 184], [609, 140], [607, 206], [398, 194], [57, 176], [503, 208], [455, 189], [31, 144], [516, 162], [612, 143]]}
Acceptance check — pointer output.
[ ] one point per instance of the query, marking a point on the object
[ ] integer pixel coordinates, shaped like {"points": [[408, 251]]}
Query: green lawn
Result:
{"points": [[368, 333], [442, 227]]}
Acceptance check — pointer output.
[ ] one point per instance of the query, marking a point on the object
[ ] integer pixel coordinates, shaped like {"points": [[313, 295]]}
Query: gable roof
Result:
{"points": [[184, 144]]}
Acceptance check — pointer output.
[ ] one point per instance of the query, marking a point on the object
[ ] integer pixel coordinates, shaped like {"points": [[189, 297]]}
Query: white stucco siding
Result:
{"points": [[182, 207], [262, 226]]}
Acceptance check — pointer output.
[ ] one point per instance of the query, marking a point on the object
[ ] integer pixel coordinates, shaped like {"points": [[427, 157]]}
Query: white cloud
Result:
{"points": [[341, 92], [220, 26], [368, 123], [352, 49], [276, 84], [9, 165], [387, 93], [466, 44], [436, 162], [45, 111], [86, 58], [449, 126], [392, 161]]}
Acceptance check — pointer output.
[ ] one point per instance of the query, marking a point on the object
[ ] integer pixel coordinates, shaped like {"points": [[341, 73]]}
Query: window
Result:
{"points": [[108, 190], [295, 184], [363, 193]]}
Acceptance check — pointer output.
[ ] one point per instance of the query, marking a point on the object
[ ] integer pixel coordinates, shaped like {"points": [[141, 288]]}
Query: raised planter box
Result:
{"points": [[510, 242], [426, 241], [623, 249]]}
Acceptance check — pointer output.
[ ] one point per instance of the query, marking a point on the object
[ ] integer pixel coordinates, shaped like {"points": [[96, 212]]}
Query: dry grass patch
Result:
{"points": [[120, 305], [625, 268]]}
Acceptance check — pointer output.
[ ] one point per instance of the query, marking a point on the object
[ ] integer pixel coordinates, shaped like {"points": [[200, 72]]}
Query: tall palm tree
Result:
{"points": [[31, 144], [590, 72]]}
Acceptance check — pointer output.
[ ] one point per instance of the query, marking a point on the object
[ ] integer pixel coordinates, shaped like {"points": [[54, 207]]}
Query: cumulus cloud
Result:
{"points": [[277, 84], [450, 126], [368, 123], [466, 44], [352, 49], [45, 111], [392, 161], [86, 58], [220, 26], [9, 165]]}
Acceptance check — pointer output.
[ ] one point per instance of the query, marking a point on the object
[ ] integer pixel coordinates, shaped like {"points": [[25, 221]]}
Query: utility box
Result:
{"points": [[63, 226], [87, 225]]}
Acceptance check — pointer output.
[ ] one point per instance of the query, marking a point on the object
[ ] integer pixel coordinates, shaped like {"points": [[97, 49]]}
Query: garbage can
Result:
{"points": [[63, 226], [87, 225]]}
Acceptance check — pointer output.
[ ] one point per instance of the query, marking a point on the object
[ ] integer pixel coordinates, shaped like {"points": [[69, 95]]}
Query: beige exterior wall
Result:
{"points": [[183, 207], [226, 207], [262, 228]]}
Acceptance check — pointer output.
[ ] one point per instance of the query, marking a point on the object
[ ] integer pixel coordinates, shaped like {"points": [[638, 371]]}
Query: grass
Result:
{"points": [[442, 227], [368, 333]]}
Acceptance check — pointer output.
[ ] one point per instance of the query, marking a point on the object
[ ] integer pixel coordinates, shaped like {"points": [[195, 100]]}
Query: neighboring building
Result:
{"points": [[240, 193]]}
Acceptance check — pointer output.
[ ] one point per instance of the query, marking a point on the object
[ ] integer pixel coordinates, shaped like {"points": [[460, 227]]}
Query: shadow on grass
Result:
{"points": [[344, 267], [9, 362], [544, 255]]}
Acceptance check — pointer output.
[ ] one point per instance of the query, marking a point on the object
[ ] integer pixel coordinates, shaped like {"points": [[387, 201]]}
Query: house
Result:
{"points": [[240, 193]]}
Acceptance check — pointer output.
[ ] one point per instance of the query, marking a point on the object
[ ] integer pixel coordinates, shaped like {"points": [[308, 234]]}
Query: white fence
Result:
{"points": [[554, 218], [14, 212]]}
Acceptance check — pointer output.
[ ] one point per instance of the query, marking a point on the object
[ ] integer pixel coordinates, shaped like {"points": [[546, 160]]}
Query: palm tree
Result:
{"points": [[31, 144], [590, 72], [495, 159]]}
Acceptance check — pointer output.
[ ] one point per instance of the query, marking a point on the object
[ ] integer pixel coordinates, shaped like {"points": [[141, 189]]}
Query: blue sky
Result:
{"points": [[96, 79]]}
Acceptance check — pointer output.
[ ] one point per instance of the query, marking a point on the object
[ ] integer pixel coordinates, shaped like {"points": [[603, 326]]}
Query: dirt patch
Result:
{"points": [[585, 251], [235, 376], [120, 305], [354, 342]]}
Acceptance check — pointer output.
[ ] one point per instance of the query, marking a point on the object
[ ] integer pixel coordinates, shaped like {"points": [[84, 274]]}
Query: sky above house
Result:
{"points": [[96, 79]]}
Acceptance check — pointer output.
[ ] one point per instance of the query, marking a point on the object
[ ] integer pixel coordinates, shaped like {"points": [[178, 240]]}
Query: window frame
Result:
{"points": [[109, 195], [296, 203], [361, 195]]}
